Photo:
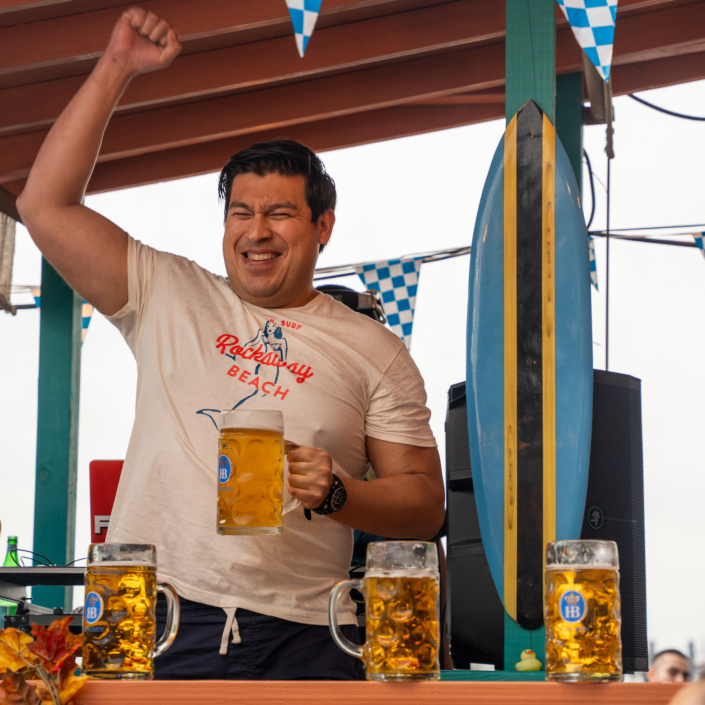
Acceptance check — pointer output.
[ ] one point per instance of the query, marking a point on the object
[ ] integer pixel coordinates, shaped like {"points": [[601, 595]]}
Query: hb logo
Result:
{"points": [[223, 469], [572, 606]]}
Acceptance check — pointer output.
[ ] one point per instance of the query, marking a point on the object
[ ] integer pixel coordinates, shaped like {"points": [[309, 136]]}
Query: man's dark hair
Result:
{"points": [[674, 652], [286, 158]]}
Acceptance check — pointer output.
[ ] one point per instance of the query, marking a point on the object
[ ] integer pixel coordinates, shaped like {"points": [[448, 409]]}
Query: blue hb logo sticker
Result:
{"points": [[572, 607], [223, 469], [93, 609]]}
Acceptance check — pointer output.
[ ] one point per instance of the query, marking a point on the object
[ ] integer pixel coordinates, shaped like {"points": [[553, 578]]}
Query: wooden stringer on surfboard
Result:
{"points": [[529, 255]]}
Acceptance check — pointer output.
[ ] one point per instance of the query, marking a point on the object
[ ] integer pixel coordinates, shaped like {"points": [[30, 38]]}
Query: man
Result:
{"points": [[252, 607], [669, 666]]}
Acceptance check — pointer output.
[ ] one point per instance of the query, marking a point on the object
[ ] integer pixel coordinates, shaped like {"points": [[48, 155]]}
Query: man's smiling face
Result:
{"points": [[270, 245]]}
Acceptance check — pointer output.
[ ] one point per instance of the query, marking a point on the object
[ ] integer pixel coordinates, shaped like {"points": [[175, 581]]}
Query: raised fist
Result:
{"points": [[142, 42]]}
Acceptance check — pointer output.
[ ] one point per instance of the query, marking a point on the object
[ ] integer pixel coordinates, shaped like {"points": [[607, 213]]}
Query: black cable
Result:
{"points": [[33, 553], [663, 110], [75, 561], [592, 188], [658, 227]]}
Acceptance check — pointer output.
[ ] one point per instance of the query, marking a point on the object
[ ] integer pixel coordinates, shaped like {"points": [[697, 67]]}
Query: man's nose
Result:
{"points": [[259, 229]]}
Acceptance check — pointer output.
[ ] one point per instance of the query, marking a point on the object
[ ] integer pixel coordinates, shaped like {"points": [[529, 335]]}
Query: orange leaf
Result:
{"points": [[74, 684], [13, 647], [49, 645], [17, 690]]}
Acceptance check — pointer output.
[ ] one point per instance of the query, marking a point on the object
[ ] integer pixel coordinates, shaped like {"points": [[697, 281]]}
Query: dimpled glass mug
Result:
{"points": [[119, 622], [401, 612], [251, 473], [582, 612]]}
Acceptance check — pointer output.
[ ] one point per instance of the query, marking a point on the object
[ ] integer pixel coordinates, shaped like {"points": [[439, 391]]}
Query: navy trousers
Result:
{"points": [[271, 648]]}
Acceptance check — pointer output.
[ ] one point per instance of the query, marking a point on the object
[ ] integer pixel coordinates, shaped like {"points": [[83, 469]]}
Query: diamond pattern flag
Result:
{"points": [[699, 237], [593, 262], [592, 22], [397, 280], [304, 14], [86, 311]]}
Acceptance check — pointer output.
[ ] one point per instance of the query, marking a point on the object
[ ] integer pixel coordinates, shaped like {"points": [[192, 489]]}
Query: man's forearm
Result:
{"points": [[64, 164], [400, 506]]}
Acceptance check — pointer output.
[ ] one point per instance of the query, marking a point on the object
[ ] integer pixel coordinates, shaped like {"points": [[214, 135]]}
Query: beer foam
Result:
{"points": [[124, 565], [256, 420], [581, 566], [401, 573]]}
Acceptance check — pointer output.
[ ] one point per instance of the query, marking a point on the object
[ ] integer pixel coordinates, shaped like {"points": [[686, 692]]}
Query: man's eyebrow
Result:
{"points": [[240, 204], [282, 204]]}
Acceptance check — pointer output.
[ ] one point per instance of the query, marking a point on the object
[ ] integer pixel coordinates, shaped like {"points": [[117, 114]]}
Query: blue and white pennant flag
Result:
{"points": [[699, 237], [397, 280], [86, 311], [593, 262], [304, 14], [592, 22]]}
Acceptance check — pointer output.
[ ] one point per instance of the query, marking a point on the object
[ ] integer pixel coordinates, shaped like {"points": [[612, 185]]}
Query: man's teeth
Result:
{"points": [[260, 257]]}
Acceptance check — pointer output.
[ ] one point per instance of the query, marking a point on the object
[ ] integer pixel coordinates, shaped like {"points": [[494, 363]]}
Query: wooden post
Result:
{"points": [[531, 56], [530, 75], [57, 430], [569, 119]]}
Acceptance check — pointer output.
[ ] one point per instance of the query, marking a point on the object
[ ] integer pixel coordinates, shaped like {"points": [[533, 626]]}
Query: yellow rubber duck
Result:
{"points": [[528, 662]]}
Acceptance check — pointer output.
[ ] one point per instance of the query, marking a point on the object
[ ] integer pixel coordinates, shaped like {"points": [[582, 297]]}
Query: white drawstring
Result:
{"points": [[230, 626]]}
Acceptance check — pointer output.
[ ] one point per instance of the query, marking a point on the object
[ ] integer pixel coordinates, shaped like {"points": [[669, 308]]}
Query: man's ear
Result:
{"points": [[326, 221]]}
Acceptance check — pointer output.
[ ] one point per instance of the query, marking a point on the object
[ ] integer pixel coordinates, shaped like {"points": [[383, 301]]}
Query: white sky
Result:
{"points": [[417, 194]]}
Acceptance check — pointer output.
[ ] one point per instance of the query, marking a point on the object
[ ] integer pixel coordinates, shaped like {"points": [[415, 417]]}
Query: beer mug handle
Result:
{"points": [[290, 504], [173, 614], [345, 644]]}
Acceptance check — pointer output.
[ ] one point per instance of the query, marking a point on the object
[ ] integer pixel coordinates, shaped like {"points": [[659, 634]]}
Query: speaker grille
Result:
{"points": [[614, 510]]}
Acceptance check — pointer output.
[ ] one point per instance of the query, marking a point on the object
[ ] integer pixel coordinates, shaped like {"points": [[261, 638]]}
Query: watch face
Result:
{"points": [[337, 501]]}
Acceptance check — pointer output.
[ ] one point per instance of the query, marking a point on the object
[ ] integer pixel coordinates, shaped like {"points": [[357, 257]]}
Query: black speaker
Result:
{"points": [[476, 614], [614, 510]]}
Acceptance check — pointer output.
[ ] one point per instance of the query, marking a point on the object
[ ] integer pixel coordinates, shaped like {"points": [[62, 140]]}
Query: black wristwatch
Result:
{"points": [[335, 500]]}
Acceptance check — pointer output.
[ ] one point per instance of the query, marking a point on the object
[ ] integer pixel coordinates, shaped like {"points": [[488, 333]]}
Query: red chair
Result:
{"points": [[104, 478]]}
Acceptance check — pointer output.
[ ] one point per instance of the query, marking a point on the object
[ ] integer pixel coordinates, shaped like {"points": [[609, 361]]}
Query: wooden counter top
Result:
{"points": [[359, 693]]}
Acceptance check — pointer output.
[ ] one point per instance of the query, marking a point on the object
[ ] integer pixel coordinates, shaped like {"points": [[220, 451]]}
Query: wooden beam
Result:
{"points": [[57, 430], [66, 46], [341, 48], [645, 75], [336, 133], [276, 108]]}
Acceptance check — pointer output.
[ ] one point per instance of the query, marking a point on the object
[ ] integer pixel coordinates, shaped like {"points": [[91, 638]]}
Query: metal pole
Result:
{"points": [[607, 275]]}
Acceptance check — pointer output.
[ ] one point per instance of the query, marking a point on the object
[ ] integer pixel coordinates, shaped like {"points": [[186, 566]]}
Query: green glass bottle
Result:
{"points": [[11, 561]]}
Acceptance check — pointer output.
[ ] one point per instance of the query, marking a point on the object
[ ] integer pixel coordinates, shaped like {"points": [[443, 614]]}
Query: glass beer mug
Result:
{"points": [[251, 473], [582, 612], [119, 623], [401, 612]]}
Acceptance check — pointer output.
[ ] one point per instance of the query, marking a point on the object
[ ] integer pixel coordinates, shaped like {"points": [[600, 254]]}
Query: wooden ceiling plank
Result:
{"points": [[83, 36], [198, 76], [337, 133], [340, 48], [277, 108], [669, 71]]}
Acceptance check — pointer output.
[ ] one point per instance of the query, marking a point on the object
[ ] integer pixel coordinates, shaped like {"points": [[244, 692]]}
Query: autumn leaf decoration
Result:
{"points": [[48, 655]]}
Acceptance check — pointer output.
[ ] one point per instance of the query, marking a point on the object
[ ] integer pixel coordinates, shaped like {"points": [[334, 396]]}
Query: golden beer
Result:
{"points": [[250, 481], [119, 622], [401, 612], [119, 612], [401, 622], [583, 619]]}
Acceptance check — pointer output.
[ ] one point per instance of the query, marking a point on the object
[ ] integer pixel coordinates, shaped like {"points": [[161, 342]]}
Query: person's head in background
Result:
{"points": [[669, 666]]}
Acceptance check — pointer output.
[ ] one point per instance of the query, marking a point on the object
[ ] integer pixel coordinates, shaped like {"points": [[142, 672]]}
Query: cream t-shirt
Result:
{"points": [[201, 349]]}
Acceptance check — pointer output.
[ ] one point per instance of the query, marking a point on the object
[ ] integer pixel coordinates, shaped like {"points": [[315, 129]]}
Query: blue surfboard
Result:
{"points": [[529, 360]]}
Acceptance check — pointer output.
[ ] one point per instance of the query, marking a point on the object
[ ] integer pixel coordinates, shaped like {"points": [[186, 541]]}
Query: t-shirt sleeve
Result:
{"points": [[397, 411], [141, 264]]}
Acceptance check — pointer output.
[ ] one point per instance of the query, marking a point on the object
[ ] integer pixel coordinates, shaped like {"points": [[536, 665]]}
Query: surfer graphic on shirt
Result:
{"points": [[268, 341]]}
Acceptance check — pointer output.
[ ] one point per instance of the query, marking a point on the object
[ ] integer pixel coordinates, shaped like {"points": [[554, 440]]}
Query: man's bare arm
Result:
{"points": [[405, 501], [89, 251]]}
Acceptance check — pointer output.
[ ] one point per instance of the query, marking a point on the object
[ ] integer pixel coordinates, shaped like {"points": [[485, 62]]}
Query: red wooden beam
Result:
{"points": [[207, 74], [277, 108]]}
